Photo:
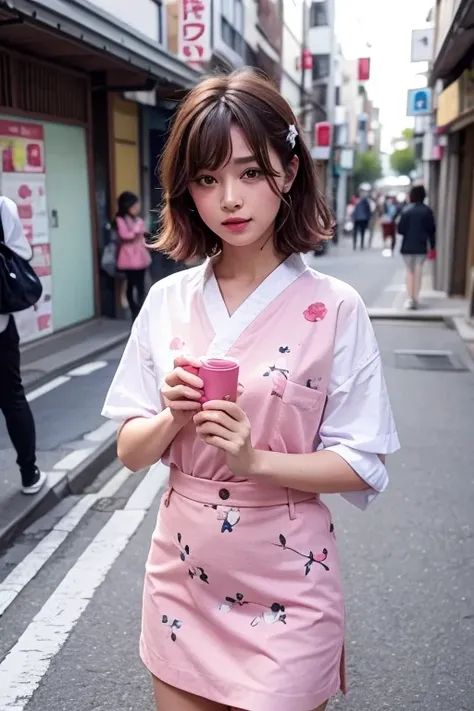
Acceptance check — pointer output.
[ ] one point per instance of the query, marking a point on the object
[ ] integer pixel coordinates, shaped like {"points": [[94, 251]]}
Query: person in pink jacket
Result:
{"points": [[243, 604], [133, 255]]}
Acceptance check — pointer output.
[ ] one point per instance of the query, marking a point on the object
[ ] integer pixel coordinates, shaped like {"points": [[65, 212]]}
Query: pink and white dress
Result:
{"points": [[242, 601]]}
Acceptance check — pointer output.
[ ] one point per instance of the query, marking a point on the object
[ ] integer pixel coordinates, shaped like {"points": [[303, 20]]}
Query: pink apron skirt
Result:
{"points": [[242, 601]]}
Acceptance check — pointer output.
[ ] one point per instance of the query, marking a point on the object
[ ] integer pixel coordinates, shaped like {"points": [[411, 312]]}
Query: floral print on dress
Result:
{"points": [[315, 312], [279, 375], [229, 515], [173, 625], [311, 558], [194, 571], [270, 614], [177, 344]]}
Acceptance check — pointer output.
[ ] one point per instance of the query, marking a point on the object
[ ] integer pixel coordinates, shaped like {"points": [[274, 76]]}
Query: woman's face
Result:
{"points": [[236, 201], [135, 209]]}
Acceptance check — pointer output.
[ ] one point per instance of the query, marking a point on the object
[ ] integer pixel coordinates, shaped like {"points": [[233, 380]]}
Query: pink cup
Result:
{"points": [[220, 377]]}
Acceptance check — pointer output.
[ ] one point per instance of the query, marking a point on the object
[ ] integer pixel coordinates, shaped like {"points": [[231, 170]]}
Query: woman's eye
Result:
{"points": [[252, 173], [205, 180]]}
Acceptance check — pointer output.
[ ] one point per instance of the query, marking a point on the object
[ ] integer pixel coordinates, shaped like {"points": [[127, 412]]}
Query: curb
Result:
{"points": [[390, 314], [71, 483], [75, 363]]}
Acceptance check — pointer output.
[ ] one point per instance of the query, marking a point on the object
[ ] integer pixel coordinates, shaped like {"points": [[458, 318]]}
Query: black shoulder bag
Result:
{"points": [[20, 286]]}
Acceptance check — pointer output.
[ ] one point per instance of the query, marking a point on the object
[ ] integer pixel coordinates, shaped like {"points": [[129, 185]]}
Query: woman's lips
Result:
{"points": [[236, 225]]}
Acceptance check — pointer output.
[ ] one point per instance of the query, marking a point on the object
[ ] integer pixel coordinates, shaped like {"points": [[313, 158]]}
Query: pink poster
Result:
{"points": [[23, 179]]}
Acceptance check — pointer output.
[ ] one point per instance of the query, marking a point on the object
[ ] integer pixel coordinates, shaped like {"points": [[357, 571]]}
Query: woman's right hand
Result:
{"points": [[182, 390]]}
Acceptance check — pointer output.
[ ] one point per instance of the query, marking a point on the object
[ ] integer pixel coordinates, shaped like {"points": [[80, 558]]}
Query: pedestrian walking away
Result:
{"points": [[14, 405], [418, 229], [242, 605], [361, 216], [133, 256]]}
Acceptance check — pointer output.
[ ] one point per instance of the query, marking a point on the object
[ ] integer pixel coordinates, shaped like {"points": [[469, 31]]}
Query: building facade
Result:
{"points": [[452, 80], [75, 80]]}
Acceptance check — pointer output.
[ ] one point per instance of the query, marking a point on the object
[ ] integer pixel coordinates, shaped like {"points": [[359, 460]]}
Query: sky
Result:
{"points": [[387, 27]]}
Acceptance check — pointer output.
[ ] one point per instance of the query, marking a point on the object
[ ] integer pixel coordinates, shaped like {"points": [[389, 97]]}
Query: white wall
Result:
{"points": [[320, 40], [141, 15], [445, 12]]}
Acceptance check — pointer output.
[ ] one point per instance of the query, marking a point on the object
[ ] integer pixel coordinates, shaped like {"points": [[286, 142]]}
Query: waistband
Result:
{"points": [[252, 494]]}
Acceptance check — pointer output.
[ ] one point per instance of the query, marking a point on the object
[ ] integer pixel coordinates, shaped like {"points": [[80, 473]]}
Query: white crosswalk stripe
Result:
{"points": [[24, 666]]}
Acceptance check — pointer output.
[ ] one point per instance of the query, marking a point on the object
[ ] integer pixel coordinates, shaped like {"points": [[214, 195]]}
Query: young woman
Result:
{"points": [[243, 606], [418, 229], [133, 255]]}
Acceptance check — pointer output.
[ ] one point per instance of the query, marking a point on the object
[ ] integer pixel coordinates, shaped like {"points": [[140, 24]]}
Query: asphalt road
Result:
{"points": [[69, 639]]}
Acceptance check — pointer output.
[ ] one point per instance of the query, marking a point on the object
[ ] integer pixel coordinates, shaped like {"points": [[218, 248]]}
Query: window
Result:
{"points": [[320, 94], [318, 16], [320, 66], [232, 25], [159, 7]]}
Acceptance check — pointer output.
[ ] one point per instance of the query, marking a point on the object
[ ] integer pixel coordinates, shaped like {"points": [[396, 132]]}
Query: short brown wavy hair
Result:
{"points": [[200, 140]]}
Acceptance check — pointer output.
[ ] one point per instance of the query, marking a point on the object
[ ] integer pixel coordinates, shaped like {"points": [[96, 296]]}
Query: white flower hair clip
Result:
{"points": [[291, 135]]}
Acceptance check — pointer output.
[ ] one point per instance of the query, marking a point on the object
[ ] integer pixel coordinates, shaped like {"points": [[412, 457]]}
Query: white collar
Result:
{"points": [[228, 329]]}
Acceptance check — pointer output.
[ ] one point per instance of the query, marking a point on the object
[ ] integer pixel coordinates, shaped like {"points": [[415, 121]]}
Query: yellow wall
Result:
{"points": [[126, 146], [448, 104]]}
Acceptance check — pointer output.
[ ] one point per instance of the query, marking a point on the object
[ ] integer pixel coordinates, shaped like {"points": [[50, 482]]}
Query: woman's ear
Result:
{"points": [[290, 173]]}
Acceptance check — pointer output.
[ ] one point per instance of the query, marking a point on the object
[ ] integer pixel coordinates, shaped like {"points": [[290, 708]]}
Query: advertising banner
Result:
{"points": [[23, 180]]}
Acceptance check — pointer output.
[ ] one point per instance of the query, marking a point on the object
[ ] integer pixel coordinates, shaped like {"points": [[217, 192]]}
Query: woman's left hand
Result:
{"points": [[225, 425]]}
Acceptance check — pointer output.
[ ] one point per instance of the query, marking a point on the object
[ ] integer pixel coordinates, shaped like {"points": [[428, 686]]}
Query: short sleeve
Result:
{"points": [[358, 423], [135, 389]]}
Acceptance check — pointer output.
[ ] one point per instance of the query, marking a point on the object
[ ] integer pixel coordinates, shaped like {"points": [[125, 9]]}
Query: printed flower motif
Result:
{"points": [[311, 558], [315, 312], [173, 625], [279, 374], [177, 344], [270, 614]]}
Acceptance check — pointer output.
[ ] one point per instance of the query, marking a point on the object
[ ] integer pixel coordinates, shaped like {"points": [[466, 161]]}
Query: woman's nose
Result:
{"points": [[231, 200]]}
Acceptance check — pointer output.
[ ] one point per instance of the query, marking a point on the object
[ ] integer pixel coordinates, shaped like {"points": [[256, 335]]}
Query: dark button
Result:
{"points": [[224, 494]]}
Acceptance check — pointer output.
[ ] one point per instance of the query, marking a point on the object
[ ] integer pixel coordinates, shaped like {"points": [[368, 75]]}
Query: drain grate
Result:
{"points": [[429, 360]]}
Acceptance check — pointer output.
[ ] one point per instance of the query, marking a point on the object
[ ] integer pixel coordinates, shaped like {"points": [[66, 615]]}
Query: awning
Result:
{"points": [[457, 43], [90, 27]]}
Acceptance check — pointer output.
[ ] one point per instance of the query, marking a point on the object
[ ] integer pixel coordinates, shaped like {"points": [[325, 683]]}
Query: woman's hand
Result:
{"points": [[225, 425], [182, 390]]}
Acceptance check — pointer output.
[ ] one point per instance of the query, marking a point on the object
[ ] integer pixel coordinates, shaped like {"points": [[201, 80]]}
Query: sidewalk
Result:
{"points": [[66, 377]]}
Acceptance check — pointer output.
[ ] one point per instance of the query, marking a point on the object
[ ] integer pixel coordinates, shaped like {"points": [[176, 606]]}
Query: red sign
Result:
{"points": [[322, 134], [364, 69], [306, 60], [195, 31]]}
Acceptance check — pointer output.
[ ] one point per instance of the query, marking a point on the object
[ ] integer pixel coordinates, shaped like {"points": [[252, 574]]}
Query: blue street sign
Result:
{"points": [[419, 102]]}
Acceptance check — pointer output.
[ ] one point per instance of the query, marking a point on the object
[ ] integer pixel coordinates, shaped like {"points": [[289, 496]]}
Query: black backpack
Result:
{"points": [[20, 286]]}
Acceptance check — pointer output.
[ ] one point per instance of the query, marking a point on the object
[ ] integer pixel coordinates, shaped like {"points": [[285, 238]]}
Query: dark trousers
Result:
{"points": [[135, 285], [14, 405], [360, 227]]}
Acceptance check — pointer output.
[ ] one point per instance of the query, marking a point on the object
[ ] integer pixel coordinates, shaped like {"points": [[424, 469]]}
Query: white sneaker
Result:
{"points": [[411, 305], [37, 485]]}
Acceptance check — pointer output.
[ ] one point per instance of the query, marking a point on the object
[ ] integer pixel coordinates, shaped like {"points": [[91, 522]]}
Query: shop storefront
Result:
{"points": [[44, 169]]}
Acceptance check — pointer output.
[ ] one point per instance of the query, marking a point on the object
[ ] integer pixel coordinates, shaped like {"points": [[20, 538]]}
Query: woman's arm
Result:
{"points": [[323, 472], [123, 230], [142, 441]]}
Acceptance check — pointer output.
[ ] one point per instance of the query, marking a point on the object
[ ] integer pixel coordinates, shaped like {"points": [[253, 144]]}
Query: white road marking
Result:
{"points": [[73, 459], [103, 432], [148, 488], [28, 661], [47, 387], [88, 368], [30, 566]]}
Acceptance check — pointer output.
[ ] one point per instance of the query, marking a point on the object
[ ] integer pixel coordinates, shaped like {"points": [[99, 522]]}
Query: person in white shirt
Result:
{"points": [[13, 402]]}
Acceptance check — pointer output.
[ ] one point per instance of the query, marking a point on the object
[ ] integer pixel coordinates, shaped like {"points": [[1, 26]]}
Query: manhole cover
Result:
{"points": [[429, 360], [107, 505]]}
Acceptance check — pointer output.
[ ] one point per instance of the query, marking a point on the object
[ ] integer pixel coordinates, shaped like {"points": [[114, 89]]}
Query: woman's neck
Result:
{"points": [[249, 265]]}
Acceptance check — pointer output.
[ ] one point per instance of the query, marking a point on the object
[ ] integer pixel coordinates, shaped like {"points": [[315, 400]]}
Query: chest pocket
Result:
{"points": [[299, 418]]}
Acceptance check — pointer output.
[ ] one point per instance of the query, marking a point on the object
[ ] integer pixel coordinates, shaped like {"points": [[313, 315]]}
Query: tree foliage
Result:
{"points": [[403, 160], [367, 167]]}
